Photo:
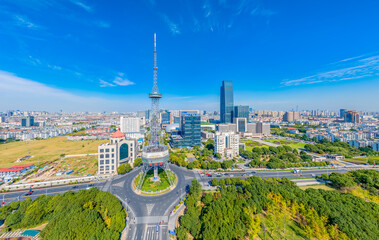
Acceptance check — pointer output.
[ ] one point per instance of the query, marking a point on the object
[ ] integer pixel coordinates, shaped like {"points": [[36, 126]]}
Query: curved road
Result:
{"points": [[149, 211]]}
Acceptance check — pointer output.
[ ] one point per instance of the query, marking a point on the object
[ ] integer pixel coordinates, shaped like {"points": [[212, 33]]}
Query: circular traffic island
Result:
{"points": [[165, 182]]}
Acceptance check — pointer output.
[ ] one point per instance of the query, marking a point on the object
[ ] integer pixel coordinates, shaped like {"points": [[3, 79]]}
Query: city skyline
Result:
{"points": [[75, 56]]}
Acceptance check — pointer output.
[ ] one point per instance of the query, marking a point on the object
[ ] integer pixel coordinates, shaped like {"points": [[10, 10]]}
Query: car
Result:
{"points": [[91, 185], [231, 175], [157, 228], [75, 186], [29, 193]]}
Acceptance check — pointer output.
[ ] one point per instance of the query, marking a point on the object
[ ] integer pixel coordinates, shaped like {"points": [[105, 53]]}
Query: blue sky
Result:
{"points": [[83, 55]]}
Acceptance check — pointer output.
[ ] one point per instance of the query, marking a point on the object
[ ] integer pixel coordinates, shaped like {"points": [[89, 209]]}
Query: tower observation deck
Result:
{"points": [[155, 154]]}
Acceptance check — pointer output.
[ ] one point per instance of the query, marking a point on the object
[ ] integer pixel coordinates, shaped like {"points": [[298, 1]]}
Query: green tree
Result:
{"points": [[124, 168], [137, 162]]}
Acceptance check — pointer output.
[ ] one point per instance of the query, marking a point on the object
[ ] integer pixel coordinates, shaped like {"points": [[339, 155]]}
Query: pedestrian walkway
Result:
{"points": [[107, 185], [173, 218], [151, 219], [18, 234]]}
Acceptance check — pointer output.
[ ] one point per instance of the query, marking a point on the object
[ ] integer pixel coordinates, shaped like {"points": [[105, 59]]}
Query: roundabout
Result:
{"points": [[164, 182]]}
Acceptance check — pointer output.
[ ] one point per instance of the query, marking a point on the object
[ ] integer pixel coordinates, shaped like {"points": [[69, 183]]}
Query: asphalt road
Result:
{"points": [[10, 197], [278, 174], [148, 211]]}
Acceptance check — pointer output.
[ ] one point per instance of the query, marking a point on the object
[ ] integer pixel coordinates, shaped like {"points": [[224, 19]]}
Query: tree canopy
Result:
{"points": [[87, 214], [245, 209], [124, 168]]}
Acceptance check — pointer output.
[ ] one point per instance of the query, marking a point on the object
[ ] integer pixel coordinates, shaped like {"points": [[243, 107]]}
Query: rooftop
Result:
{"points": [[21, 166], [118, 134]]}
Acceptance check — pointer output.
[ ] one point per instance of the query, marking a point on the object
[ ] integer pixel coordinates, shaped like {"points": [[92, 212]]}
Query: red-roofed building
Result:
{"points": [[26, 166], [118, 134], [22, 166], [15, 171]]}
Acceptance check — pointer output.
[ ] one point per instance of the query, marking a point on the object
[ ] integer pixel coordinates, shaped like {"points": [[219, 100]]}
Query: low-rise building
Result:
{"points": [[207, 135], [334, 157], [15, 171], [118, 151]]}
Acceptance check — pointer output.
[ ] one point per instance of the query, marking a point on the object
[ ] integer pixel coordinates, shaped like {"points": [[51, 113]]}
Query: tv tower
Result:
{"points": [[155, 96], [155, 155]]}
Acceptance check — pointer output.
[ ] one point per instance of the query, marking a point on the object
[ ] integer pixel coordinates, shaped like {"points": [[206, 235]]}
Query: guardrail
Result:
{"points": [[61, 182]]}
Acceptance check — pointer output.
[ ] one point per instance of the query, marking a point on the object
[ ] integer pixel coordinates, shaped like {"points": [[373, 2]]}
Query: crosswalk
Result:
{"points": [[17, 234], [153, 234]]}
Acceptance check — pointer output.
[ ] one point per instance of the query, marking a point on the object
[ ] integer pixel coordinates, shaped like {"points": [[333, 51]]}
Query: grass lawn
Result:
{"points": [[206, 123], [149, 185], [318, 186], [80, 165], [291, 143], [363, 159], [250, 144], [44, 150]]}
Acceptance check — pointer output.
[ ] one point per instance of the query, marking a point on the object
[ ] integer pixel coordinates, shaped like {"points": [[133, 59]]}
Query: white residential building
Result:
{"points": [[227, 144], [130, 124]]}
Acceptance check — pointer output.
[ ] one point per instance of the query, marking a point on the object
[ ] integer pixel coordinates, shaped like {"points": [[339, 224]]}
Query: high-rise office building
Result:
{"points": [[130, 124], [165, 117], [263, 128], [241, 125], [291, 116], [226, 102], [27, 122], [342, 112], [351, 117], [176, 119], [190, 130], [241, 112], [147, 115]]}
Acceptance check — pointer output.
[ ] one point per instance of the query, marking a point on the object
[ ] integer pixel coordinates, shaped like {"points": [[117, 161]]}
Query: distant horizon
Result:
{"points": [[82, 55], [208, 111]]}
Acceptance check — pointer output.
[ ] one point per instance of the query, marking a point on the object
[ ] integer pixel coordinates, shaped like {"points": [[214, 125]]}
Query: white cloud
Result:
{"points": [[118, 81], [37, 62], [106, 84], [23, 21], [174, 28], [83, 5], [22, 93], [123, 81], [351, 69]]}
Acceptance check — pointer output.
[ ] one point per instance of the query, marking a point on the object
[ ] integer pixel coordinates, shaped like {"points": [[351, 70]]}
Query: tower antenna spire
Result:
{"points": [[155, 155], [155, 84]]}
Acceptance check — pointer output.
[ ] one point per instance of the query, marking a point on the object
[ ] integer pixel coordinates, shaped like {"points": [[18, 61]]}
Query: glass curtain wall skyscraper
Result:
{"points": [[226, 102], [241, 112]]}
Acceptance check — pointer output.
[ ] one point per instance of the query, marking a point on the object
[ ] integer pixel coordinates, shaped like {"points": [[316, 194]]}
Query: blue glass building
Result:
{"points": [[241, 112], [226, 102], [166, 117], [190, 131]]}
